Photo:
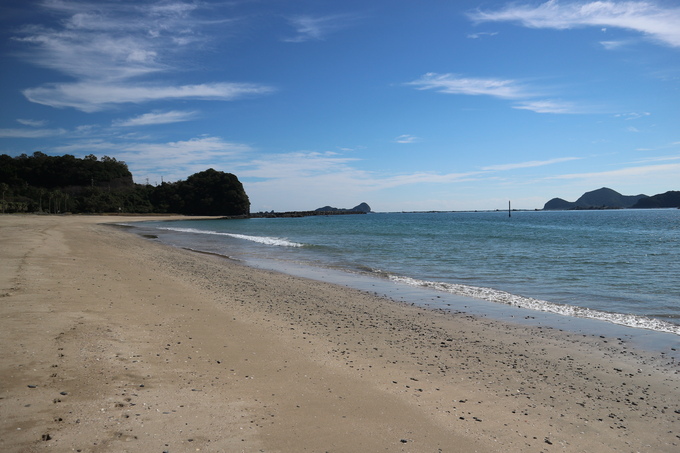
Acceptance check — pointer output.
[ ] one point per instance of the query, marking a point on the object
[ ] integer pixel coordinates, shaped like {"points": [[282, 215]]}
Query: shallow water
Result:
{"points": [[621, 266]]}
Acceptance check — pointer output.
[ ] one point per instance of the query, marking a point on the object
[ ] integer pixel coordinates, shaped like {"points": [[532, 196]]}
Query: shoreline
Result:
{"points": [[655, 335], [158, 348]]}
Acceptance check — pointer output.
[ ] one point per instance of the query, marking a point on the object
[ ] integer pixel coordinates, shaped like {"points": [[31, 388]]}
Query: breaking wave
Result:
{"points": [[503, 297], [259, 239]]}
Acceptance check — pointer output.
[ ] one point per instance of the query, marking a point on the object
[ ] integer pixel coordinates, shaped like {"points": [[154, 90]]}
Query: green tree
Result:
{"points": [[69, 184], [212, 192], [4, 188]]}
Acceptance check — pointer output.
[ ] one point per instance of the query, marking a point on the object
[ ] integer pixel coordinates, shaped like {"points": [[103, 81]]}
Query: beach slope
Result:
{"points": [[113, 342]]}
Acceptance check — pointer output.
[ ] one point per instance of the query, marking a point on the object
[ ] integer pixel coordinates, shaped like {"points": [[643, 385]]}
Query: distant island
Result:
{"points": [[362, 208], [606, 198]]}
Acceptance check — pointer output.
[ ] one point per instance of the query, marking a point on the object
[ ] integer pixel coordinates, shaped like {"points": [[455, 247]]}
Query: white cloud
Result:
{"points": [[613, 45], [406, 138], [92, 56], [87, 146], [632, 115], [626, 175], [97, 96], [147, 119], [110, 48], [481, 34], [500, 88], [455, 84], [296, 165], [32, 123], [656, 159], [427, 178], [549, 106], [30, 133], [648, 17], [310, 28], [314, 168], [533, 163], [196, 152]]}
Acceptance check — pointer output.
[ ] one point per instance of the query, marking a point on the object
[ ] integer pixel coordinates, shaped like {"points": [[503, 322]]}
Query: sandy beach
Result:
{"points": [[112, 342]]}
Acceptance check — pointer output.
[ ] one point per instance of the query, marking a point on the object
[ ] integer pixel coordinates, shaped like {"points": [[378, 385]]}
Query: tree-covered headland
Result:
{"points": [[61, 184]]}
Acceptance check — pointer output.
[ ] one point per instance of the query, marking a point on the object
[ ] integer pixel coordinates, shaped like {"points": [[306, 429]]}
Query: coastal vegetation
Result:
{"points": [[61, 184]]}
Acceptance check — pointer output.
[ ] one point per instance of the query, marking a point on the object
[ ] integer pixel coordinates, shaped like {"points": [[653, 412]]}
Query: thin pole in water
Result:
{"points": [[509, 210]]}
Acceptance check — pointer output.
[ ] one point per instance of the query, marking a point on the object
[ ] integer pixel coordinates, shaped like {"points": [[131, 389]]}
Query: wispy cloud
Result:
{"points": [[665, 171], [500, 88], [306, 167], [632, 115], [613, 45], [653, 19], [549, 106], [30, 133], [456, 84], [660, 147], [148, 119], [481, 34], [529, 164], [657, 159], [110, 49], [406, 138], [196, 152], [100, 95], [32, 123], [427, 178], [310, 28], [301, 164]]}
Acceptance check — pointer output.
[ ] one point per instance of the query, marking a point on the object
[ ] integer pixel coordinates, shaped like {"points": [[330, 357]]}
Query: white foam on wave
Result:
{"points": [[259, 239], [493, 295]]}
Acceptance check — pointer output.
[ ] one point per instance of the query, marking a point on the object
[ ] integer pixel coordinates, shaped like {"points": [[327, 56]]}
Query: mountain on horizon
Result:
{"points": [[604, 198]]}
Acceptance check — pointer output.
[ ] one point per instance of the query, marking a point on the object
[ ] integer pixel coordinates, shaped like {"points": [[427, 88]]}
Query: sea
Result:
{"points": [[560, 268]]}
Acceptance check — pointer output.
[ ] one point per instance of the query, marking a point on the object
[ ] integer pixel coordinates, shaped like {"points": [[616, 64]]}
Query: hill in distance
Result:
{"points": [[670, 199], [362, 207], [603, 198]]}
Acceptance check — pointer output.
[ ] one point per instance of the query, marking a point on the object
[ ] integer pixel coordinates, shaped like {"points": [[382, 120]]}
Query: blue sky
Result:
{"points": [[406, 105]]}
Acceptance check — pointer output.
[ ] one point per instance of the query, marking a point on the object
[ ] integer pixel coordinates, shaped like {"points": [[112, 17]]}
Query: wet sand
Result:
{"points": [[112, 342]]}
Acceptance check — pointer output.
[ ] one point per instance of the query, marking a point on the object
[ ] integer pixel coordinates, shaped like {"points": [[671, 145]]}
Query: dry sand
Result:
{"points": [[111, 343]]}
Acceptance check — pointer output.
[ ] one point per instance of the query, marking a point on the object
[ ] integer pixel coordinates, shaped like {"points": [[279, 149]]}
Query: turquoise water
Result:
{"points": [[622, 266]]}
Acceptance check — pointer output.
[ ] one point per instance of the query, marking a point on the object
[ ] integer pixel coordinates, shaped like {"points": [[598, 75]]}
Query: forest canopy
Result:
{"points": [[60, 184]]}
